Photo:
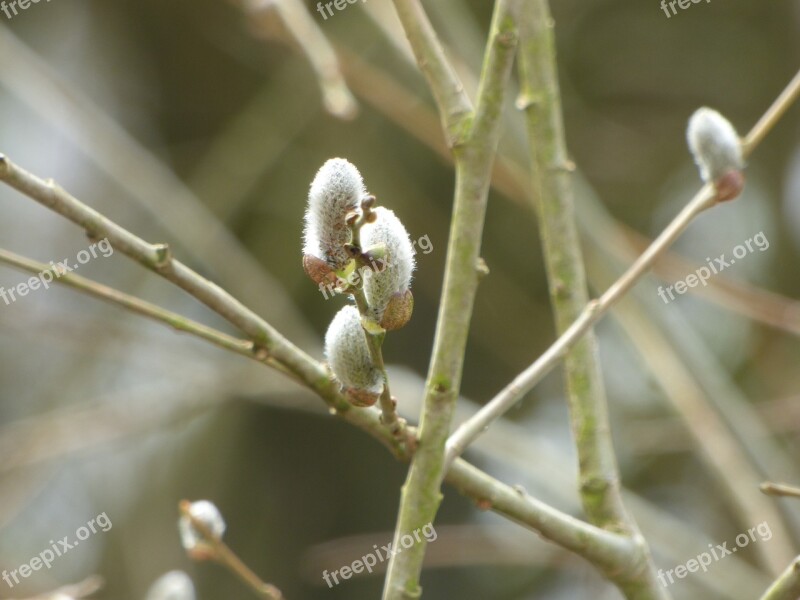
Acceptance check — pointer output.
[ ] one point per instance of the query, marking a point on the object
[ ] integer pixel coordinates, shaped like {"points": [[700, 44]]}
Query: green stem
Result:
{"points": [[595, 544], [554, 203], [455, 108], [787, 586], [474, 157]]}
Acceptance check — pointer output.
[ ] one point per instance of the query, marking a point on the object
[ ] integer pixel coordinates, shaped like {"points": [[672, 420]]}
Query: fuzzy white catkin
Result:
{"points": [[174, 585], [714, 143], [348, 354], [337, 189], [395, 276], [208, 514]]}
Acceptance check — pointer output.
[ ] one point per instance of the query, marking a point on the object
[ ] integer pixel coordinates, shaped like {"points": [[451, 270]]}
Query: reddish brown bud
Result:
{"points": [[398, 311], [361, 397], [318, 270], [729, 186]]}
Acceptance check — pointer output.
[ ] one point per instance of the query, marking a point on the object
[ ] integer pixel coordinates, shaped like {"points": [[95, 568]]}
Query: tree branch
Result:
{"points": [[474, 159], [311, 42], [586, 540], [466, 433], [131, 303], [455, 107], [553, 200], [787, 586], [780, 489]]}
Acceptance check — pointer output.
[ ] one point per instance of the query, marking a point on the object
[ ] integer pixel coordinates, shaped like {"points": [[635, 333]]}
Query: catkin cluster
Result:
{"points": [[343, 234]]}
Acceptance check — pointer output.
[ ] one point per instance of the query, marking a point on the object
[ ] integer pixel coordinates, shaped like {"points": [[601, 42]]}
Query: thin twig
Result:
{"points": [[389, 416], [787, 586], [220, 552], [455, 107], [474, 157], [780, 489], [596, 309], [312, 42], [131, 303], [772, 116]]}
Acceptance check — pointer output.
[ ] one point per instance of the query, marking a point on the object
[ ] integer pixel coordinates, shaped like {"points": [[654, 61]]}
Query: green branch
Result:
{"points": [[554, 203], [787, 586], [584, 539], [474, 158], [454, 106]]}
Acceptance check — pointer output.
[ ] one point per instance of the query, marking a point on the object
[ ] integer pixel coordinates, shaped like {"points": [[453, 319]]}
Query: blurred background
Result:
{"points": [[201, 124]]}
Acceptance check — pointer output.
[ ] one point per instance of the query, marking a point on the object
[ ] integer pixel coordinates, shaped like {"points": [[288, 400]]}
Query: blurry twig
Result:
{"points": [[310, 40], [787, 587], [770, 118], [780, 489], [138, 306], [456, 546], [221, 553]]}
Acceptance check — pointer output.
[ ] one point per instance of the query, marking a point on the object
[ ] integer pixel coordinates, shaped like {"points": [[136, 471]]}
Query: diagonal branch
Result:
{"points": [[455, 107], [310, 41], [551, 169], [596, 309], [787, 586], [586, 540], [131, 303]]}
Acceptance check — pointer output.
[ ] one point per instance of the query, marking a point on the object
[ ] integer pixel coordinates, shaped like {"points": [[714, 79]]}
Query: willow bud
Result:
{"points": [[336, 191], [717, 151], [174, 585], [194, 541], [387, 285], [349, 358]]}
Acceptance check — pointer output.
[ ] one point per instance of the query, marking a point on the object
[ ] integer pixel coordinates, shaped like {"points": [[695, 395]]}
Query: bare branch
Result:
{"points": [[596, 309]]}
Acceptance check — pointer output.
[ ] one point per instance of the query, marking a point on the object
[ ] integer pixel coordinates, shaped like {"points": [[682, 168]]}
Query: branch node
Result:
{"points": [[163, 258], [260, 353]]}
